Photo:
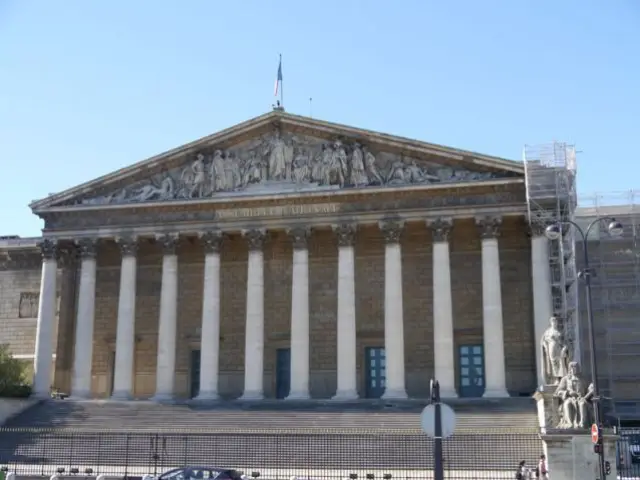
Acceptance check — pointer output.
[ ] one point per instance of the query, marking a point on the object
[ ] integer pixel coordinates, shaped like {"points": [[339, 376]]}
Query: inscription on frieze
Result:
{"points": [[151, 217]]}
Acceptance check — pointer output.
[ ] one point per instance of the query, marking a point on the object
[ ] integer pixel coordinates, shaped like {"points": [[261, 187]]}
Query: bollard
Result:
{"points": [[55, 476], [102, 476], [10, 476]]}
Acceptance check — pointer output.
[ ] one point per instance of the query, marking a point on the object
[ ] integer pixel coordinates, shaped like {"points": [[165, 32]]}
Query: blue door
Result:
{"points": [[195, 373], [283, 372], [375, 362], [471, 360]]}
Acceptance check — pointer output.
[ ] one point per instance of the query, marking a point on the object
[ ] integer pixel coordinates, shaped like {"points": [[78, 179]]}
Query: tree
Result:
{"points": [[12, 375]]}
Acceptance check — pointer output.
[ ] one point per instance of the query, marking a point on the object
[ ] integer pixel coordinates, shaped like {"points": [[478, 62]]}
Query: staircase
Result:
{"points": [[490, 434]]}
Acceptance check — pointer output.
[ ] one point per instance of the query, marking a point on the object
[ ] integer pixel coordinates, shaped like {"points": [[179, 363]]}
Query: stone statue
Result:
{"points": [[339, 163], [575, 399], [301, 168], [232, 171], [194, 178], [280, 158], [358, 172], [372, 170], [254, 171], [218, 173], [554, 354], [144, 193]]}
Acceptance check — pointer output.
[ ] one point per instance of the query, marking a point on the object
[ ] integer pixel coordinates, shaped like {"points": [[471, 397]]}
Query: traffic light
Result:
{"points": [[607, 468]]}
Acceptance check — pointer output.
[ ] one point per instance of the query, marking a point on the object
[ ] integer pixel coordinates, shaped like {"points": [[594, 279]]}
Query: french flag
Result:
{"points": [[278, 78]]}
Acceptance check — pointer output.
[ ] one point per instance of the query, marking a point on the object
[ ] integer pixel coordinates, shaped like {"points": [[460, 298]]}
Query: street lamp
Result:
{"points": [[554, 232]]}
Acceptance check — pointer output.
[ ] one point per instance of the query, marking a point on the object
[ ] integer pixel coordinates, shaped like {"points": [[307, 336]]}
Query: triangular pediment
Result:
{"points": [[283, 153]]}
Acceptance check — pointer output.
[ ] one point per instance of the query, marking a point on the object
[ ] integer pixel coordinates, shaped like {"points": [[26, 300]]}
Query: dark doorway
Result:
{"points": [[375, 362], [283, 372], [471, 361]]}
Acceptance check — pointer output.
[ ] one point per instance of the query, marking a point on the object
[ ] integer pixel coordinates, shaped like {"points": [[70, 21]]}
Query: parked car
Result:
{"points": [[199, 473]]}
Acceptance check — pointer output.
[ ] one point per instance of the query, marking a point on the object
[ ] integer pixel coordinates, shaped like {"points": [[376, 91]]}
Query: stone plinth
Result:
{"points": [[570, 454], [548, 407]]}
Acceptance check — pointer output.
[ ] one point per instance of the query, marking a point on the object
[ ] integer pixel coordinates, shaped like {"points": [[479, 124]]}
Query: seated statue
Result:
{"points": [[575, 399]]}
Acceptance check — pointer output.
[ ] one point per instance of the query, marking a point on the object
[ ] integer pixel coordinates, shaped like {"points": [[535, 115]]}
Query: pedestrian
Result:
{"points": [[541, 470], [521, 471]]}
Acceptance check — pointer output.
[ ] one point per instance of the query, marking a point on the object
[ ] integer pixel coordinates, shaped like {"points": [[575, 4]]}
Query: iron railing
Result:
{"points": [[276, 455]]}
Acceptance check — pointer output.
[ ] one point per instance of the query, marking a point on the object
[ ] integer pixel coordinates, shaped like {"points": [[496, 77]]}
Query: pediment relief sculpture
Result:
{"points": [[283, 162]]}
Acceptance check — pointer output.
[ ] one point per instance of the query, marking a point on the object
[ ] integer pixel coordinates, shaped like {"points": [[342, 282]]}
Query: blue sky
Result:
{"points": [[90, 87]]}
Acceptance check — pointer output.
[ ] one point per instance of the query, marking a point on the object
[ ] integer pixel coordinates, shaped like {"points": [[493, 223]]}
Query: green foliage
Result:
{"points": [[13, 373]]}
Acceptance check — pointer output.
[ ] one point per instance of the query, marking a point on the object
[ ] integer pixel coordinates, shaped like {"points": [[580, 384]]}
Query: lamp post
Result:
{"points": [[554, 232]]}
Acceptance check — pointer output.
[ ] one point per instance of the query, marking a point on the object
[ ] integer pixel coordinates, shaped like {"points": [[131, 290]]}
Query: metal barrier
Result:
{"points": [[628, 453], [279, 455]]}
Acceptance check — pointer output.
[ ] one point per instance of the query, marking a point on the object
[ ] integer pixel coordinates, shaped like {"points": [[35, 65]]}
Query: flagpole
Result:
{"points": [[281, 85]]}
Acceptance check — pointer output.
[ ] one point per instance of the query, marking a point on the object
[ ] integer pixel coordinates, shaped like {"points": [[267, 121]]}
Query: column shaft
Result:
{"points": [[43, 359], [123, 381], [167, 325], [300, 316], [254, 336], [443, 333], [493, 328], [210, 331], [541, 281], [346, 322], [83, 353], [393, 312]]}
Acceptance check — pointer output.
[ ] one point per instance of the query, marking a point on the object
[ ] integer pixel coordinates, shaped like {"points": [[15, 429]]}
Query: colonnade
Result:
{"points": [[443, 325]]}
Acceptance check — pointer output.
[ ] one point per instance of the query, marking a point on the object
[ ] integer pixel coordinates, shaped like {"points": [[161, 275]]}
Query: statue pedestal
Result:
{"points": [[548, 407], [570, 454]]}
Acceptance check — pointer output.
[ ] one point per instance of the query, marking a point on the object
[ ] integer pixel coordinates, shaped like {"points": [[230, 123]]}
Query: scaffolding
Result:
{"points": [[616, 296], [550, 178]]}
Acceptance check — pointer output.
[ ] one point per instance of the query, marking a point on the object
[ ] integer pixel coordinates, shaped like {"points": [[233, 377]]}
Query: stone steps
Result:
{"points": [[152, 417], [359, 436]]}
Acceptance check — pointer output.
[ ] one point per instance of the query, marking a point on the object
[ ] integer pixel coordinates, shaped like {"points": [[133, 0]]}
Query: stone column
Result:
{"points": [[254, 336], [492, 323], [210, 331], [443, 335], [300, 315], [167, 325], [43, 358], [123, 374], [83, 352], [541, 281], [346, 335], [393, 312]]}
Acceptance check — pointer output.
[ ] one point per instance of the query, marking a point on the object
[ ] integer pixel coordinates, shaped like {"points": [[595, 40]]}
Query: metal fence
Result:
{"points": [[628, 454], [312, 455]]}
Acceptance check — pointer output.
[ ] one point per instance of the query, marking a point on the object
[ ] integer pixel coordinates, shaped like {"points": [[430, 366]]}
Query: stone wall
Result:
{"points": [[20, 289], [417, 279]]}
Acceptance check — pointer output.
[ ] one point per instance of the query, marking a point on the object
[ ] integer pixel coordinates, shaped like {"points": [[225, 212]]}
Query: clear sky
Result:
{"points": [[87, 87]]}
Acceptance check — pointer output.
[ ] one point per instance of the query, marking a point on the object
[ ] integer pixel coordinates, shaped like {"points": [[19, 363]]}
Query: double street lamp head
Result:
{"points": [[554, 231]]}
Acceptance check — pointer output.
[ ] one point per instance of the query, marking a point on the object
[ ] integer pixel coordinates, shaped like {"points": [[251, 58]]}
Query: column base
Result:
{"points": [[448, 394], [298, 396], [345, 395], [80, 395], [495, 393], [162, 398], [121, 396], [250, 396], [394, 394], [207, 397]]}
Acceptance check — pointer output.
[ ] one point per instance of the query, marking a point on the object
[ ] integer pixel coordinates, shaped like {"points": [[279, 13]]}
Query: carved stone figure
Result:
{"points": [[301, 168], [358, 172], [372, 170], [194, 178], [339, 165], [218, 172], [144, 193], [280, 158], [232, 171], [575, 399], [255, 170], [554, 354]]}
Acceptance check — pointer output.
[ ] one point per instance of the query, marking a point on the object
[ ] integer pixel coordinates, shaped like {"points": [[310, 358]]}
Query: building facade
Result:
{"points": [[284, 257]]}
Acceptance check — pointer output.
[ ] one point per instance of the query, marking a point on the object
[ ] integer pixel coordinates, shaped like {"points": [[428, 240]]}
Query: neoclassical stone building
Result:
{"points": [[287, 257]]}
